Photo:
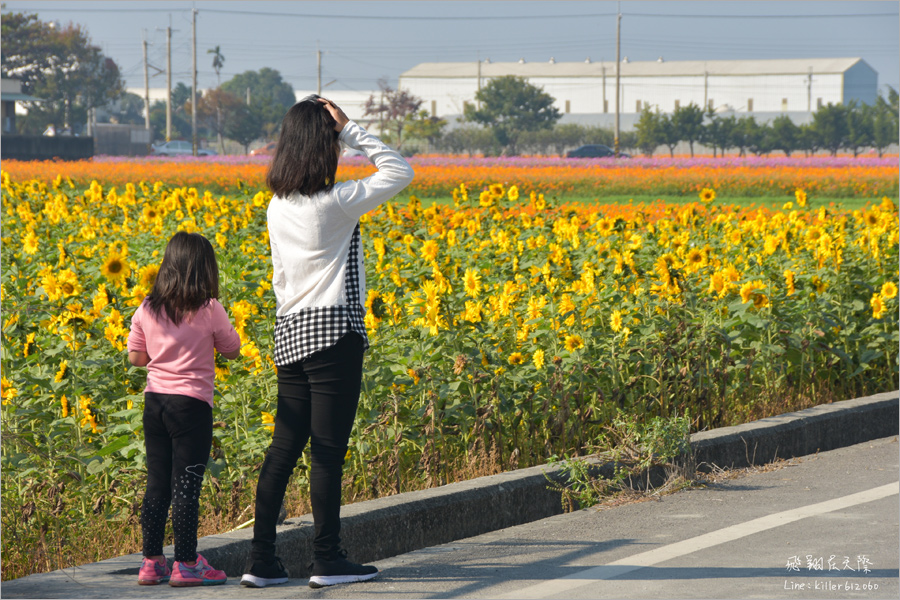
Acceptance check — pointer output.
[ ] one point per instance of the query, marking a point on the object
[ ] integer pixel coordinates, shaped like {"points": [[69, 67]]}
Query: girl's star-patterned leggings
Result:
{"points": [[178, 438]]}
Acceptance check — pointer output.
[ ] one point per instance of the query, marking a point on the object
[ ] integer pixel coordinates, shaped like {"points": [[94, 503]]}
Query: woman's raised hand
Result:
{"points": [[339, 116]]}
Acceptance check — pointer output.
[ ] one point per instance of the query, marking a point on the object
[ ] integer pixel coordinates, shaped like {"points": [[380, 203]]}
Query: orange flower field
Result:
{"points": [[435, 176]]}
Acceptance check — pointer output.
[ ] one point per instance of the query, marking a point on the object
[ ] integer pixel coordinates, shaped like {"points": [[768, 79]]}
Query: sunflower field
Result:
{"points": [[506, 327]]}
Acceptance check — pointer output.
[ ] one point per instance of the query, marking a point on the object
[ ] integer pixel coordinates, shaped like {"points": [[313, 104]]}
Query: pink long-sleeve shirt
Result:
{"points": [[182, 357]]}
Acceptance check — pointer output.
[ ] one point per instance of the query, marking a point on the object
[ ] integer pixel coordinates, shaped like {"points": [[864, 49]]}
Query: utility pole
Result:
{"points": [[604, 87], [146, 85], [809, 92], [169, 80], [318, 70], [705, 90], [194, 82], [248, 96], [478, 84], [618, 73]]}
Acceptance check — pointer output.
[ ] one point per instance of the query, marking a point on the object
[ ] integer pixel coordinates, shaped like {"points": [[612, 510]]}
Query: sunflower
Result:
{"points": [[268, 420], [513, 194], [695, 258], [800, 195], [148, 276], [516, 358], [789, 281], [115, 267], [707, 195], [750, 292], [813, 234], [473, 312], [872, 219], [717, 284], [68, 283], [429, 250], [889, 290], [604, 226], [61, 373], [538, 358], [615, 320], [8, 391], [574, 342], [30, 242], [472, 282], [150, 213], [877, 304]]}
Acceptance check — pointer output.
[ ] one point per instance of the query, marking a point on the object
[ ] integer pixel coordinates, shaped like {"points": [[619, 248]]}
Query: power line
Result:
{"points": [[345, 17]]}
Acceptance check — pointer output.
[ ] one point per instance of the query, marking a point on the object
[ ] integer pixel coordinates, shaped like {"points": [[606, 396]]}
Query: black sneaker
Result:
{"points": [[339, 570], [265, 572]]}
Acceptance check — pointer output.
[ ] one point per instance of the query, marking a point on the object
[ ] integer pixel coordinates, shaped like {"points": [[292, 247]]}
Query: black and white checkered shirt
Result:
{"points": [[309, 330]]}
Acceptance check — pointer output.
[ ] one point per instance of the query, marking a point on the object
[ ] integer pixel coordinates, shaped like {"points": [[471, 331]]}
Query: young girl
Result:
{"points": [[173, 334], [319, 284]]}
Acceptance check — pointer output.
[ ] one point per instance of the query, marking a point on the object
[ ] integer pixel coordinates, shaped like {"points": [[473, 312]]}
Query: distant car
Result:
{"points": [[267, 150], [179, 148], [595, 151]]}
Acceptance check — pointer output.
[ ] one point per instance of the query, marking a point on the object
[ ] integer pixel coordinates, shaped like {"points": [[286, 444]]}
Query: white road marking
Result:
{"points": [[701, 542]]}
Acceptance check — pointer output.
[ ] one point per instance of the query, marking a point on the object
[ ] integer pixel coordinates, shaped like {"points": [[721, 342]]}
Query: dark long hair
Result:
{"points": [[187, 278], [306, 158]]}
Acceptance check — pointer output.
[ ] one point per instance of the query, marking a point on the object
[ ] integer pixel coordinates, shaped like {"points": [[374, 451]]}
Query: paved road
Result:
{"points": [[822, 526]]}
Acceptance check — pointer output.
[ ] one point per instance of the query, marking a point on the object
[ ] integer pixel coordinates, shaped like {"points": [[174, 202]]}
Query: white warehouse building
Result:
{"points": [[743, 86]]}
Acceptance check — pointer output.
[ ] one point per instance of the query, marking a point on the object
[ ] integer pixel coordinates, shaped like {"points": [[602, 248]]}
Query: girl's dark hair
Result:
{"points": [[306, 158], [187, 278]]}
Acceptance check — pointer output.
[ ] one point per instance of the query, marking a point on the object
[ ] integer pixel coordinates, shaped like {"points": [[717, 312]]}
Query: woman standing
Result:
{"points": [[320, 337]]}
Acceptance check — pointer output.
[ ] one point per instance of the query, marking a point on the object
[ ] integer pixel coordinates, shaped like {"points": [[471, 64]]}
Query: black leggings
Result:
{"points": [[178, 437], [317, 400]]}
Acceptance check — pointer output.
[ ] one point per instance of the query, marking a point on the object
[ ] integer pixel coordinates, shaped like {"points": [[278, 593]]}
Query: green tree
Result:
{"points": [[718, 131], [270, 95], [860, 119], [217, 63], [470, 140], [688, 123], [129, 108], [755, 137], [564, 137], [552, 141], [598, 135], [243, 126], [394, 110], [181, 124], [181, 95], [808, 139], [423, 127], [509, 106], [885, 122], [668, 133], [59, 65], [785, 134], [215, 109], [831, 125], [649, 131]]}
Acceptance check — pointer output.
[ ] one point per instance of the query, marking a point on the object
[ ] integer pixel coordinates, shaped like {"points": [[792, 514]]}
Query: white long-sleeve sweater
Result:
{"points": [[311, 237]]}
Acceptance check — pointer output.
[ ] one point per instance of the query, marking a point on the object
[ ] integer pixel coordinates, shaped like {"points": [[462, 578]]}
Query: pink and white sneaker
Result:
{"points": [[199, 574], [153, 572]]}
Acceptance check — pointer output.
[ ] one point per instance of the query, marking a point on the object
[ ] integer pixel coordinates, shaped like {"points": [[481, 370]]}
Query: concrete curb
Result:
{"points": [[378, 529]]}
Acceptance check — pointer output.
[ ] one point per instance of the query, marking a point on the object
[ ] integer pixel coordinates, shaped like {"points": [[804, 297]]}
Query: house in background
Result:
{"points": [[10, 93]]}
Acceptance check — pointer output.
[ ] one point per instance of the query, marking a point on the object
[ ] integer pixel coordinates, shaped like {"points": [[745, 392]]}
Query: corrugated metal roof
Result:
{"points": [[634, 69]]}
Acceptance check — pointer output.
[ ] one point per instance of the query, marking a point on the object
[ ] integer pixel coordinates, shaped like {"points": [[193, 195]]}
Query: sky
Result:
{"points": [[362, 42]]}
